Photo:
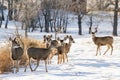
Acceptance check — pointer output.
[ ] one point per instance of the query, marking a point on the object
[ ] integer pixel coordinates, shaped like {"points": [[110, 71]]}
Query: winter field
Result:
{"points": [[82, 64]]}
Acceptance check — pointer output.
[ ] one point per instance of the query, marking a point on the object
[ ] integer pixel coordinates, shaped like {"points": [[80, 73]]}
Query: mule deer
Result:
{"points": [[16, 53], [39, 54], [103, 41], [65, 49], [56, 44]]}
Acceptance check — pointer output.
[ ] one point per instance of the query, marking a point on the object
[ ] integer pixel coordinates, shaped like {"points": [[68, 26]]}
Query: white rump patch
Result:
{"points": [[16, 46]]}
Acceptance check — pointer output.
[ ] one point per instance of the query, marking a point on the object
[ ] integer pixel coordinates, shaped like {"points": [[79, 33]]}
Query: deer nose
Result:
{"points": [[73, 41]]}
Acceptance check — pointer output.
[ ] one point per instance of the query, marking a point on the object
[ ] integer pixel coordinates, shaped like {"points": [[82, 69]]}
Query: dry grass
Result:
{"points": [[30, 42], [5, 57], [5, 60]]}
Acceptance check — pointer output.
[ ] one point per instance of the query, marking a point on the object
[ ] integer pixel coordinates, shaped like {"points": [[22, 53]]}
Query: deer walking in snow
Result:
{"points": [[39, 54], [102, 41]]}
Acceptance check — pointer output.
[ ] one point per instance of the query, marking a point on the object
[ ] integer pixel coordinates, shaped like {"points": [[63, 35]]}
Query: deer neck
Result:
{"points": [[94, 38], [69, 44]]}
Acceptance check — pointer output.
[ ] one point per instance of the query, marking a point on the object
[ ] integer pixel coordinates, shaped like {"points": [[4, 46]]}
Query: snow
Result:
{"points": [[82, 64]]}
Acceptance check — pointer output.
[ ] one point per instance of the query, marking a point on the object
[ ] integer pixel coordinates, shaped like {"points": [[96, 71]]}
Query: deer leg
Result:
{"points": [[30, 65], [111, 49], [26, 64], [49, 58], [37, 65], [13, 66], [50, 61], [63, 57], [107, 49], [97, 50], [66, 56], [46, 65], [58, 58], [17, 66]]}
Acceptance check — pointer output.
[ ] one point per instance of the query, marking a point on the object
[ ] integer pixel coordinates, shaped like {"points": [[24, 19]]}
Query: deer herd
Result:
{"points": [[61, 46]]}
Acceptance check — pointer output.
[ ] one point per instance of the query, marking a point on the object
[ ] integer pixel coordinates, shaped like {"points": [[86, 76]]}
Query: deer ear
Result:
{"points": [[67, 36], [15, 39], [70, 36], [92, 32], [58, 38], [10, 39], [44, 36], [51, 36]]}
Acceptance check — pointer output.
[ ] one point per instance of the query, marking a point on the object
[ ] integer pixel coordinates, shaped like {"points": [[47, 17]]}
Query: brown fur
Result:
{"points": [[52, 53], [64, 49], [30, 42], [103, 41], [39, 54], [16, 52]]}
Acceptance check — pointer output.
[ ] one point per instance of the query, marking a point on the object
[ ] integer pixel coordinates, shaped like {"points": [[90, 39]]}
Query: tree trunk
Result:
{"points": [[39, 21], [6, 24], [2, 10], [79, 25], [22, 27], [65, 22], [26, 26], [10, 9], [51, 26], [115, 24], [0, 15], [91, 23], [3, 18], [46, 24], [0, 21]]}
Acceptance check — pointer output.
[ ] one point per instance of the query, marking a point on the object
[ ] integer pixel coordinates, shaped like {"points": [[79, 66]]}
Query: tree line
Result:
{"points": [[52, 15]]}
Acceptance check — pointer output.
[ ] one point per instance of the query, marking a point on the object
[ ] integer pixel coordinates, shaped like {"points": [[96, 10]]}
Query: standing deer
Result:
{"points": [[57, 43], [64, 49], [68, 45], [102, 41], [39, 53], [16, 53]]}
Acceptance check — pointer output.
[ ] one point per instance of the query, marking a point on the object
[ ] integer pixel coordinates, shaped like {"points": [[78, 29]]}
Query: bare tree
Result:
{"points": [[104, 5], [2, 8], [1, 12], [115, 18], [27, 12], [90, 15], [10, 12], [80, 8], [64, 17], [46, 8], [55, 14]]}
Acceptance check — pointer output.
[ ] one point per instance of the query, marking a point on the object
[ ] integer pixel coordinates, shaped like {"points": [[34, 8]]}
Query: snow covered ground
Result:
{"points": [[82, 64]]}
